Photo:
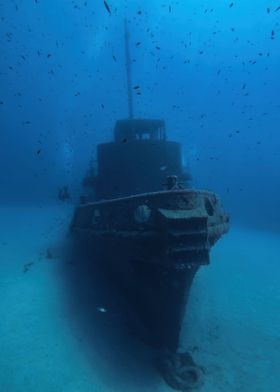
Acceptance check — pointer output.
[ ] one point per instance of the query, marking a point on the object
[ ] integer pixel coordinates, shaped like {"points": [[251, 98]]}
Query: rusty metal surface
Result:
{"points": [[146, 212], [152, 245], [182, 225]]}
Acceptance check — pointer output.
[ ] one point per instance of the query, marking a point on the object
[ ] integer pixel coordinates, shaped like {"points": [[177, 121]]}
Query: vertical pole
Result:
{"points": [[128, 71]]}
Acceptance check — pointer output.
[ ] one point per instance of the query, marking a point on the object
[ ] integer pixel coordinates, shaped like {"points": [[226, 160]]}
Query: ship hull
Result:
{"points": [[149, 248]]}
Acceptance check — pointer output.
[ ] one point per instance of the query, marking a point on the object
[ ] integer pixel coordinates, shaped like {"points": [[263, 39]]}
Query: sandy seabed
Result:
{"points": [[232, 325]]}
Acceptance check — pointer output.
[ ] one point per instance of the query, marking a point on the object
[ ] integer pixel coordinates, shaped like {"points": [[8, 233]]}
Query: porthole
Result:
{"points": [[142, 213]]}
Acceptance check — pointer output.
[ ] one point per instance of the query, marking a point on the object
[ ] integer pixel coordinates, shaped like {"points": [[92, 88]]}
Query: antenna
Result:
{"points": [[128, 71]]}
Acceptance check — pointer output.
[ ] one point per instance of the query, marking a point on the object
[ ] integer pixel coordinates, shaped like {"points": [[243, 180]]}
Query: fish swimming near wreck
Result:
{"points": [[148, 231]]}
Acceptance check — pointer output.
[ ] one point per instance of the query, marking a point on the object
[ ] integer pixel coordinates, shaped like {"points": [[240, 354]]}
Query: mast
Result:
{"points": [[128, 71]]}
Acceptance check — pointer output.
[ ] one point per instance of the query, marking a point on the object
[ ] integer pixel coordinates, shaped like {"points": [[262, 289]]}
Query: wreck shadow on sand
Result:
{"points": [[106, 329]]}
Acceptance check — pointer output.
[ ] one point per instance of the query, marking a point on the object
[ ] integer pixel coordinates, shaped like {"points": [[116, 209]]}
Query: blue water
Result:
{"points": [[211, 70]]}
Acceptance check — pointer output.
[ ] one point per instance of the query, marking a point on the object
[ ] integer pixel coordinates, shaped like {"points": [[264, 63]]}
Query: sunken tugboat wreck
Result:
{"points": [[149, 233], [151, 242]]}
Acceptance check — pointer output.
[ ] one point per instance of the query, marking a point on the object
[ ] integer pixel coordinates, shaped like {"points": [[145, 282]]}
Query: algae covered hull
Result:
{"points": [[150, 246]]}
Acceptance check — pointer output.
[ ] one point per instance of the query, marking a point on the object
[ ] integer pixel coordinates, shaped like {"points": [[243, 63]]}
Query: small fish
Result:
{"points": [[39, 151], [268, 10], [231, 5], [107, 7], [114, 58], [277, 9], [136, 87], [26, 267], [102, 310], [169, 8]]}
